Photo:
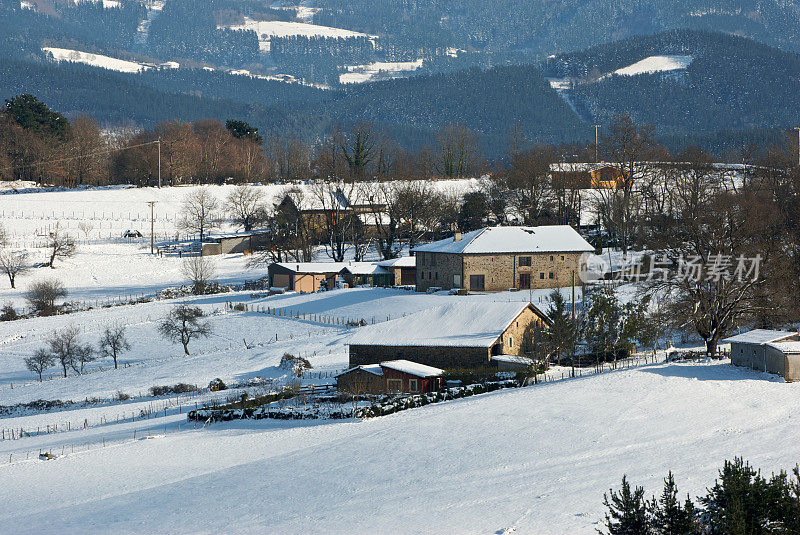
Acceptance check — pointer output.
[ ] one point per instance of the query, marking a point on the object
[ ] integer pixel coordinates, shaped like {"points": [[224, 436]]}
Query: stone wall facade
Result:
{"points": [[499, 271], [509, 343]]}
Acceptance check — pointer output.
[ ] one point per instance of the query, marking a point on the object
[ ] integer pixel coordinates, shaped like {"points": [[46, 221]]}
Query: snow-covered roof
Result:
{"points": [[411, 368], [513, 359], [786, 347], [760, 336], [401, 262], [374, 369], [453, 325], [313, 267], [365, 268], [544, 239]]}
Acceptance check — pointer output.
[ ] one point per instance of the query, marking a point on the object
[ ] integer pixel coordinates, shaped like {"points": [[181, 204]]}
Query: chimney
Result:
{"points": [[457, 235]]}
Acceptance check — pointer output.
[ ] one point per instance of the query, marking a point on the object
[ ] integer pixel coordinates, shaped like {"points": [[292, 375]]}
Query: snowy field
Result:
{"points": [[653, 64], [357, 74], [266, 29], [95, 60], [533, 460]]}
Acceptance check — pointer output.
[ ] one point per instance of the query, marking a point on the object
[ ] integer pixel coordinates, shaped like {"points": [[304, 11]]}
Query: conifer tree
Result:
{"points": [[668, 516], [627, 511]]}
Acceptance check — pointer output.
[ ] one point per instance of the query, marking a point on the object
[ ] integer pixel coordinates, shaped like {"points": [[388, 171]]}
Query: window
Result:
{"points": [[525, 261], [551, 275], [477, 282], [525, 281], [541, 276], [457, 281], [552, 258], [412, 385], [422, 275], [510, 342], [562, 257], [437, 276], [394, 385]]}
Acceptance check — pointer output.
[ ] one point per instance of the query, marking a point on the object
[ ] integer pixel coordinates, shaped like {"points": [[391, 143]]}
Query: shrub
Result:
{"points": [[42, 295], [239, 307], [216, 385], [7, 313], [121, 396], [179, 388], [296, 364]]}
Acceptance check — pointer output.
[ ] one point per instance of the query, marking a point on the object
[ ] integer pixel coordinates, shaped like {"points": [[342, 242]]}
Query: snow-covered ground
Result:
{"points": [[95, 60], [532, 460], [357, 74], [653, 64], [266, 29]]}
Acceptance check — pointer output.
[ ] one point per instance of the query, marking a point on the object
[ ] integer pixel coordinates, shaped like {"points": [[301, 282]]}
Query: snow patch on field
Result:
{"points": [[656, 64], [108, 4], [267, 29], [95, 60], [357, 74]]}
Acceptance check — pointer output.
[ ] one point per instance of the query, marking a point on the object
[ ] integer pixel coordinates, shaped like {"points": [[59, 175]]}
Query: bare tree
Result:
{"points": [[84, 354], [628, 146], [113, 341], [528, 182], [42, 295], [86, 227], [459, 154], [41, 360], [245, 204], [61, 245], [65, 347], [200, 270], [197, 211], [13, 263], [183, 324], [333, 199]]}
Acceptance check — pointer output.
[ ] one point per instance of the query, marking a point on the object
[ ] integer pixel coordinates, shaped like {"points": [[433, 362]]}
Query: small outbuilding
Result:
{"points": [[395, 376], [403, 270], [304, 277], [457, 335], [366, 274], [769, 351]]}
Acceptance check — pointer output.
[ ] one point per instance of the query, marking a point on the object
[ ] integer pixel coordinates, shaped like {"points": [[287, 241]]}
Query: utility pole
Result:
{"points": [[159, 162], [152, 219], [596, 143], [798, 144], [573, 295]]}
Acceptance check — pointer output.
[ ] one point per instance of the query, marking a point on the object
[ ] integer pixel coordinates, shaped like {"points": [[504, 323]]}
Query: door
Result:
{"points": [[477, 283]]}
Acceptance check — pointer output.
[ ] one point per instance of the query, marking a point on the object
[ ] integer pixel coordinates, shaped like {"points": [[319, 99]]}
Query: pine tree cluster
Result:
{"points": [[741, 501]]}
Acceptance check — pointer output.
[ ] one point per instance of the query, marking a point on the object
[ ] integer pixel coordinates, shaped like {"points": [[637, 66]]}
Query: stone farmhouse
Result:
{"points": [[768, 351], [457, 335], [495, 259]]}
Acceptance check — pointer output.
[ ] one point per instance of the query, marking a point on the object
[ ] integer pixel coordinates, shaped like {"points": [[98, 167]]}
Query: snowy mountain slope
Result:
{"points": [[275, 28], [534, 460], [653, 64]]}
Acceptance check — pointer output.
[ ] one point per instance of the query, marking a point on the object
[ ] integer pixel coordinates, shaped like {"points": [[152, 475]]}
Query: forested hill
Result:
{"points": [[729, 83]]}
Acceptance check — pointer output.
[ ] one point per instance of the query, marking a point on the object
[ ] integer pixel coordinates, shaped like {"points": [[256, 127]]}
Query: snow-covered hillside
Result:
{"points": [[96, 60], [532, 460], [653, 64], [276, 28], [357, 74]]}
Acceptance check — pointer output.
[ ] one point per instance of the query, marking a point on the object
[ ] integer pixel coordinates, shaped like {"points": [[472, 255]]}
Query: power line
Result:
{"points": [[105, 152]]}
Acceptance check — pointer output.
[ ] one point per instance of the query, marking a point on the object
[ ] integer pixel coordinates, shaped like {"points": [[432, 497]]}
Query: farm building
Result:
{"points": [[235, 243], [319, 207], [403, 270], [390, 376], [304, 277], [587, 175], [495, 259], [769, 351], [457, 335], [366, 274]]}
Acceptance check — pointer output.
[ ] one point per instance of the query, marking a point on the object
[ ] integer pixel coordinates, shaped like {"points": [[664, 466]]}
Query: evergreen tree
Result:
{"points": [[603, 324], [34, 115], [564, 329], [668, 516], [242, 130], [627, 511]]}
